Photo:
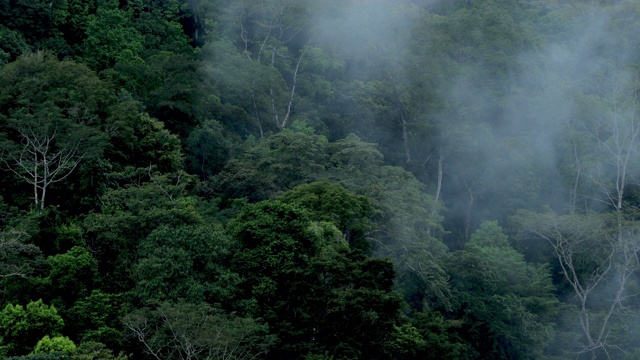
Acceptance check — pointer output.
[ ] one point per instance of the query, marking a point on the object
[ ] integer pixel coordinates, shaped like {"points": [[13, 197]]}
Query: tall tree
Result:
{"points": [[593, 253], [48, 125], [272, 34]]}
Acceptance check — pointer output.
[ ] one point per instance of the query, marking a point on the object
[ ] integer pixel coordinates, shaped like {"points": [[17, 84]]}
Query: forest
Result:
{"points": [[319, 180]]}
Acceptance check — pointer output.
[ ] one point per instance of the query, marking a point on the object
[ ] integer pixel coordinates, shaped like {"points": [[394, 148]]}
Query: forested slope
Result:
{"points": [[299, 179]]}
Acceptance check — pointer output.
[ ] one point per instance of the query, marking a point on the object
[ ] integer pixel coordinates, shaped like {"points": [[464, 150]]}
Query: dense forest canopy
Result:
{"points": [[338, 179]]}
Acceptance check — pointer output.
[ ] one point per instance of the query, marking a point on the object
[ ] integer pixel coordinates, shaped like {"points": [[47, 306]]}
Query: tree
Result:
{"points": [[50, 152], [429, 335], [610, 120], [272, 165], [594, 252], [407, 224], [48, 127], [84, 351], [138, 140], [188, 262], [197, 331], [12, 45], [111, 37], [271, 34], [146, 201], [16, 257], [350, 310], [507, 305], [48, 345], [46, 25], [317, 295], [208, 147], [72, 275], [21, 328], [332, 203], [276, 241], [51, 356], [96, 318], [91, 350]]}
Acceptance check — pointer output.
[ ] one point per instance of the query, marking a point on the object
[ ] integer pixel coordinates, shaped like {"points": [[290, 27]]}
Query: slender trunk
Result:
{"points": [[35, 177], [293, 91], [264, 42], [584, 322], [45, 180], [273, 108]]}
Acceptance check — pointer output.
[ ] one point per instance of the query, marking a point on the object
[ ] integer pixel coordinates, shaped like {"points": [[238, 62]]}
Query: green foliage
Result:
{"points": [[239, 83], [72, 274], [42, 80], [439, 338], [406, 342], [48, 345], [12, 45], [177, 93], [111, 38], [276, 240], [352, 310], [171, 88], [187, 263], [140, 140], [270, 57], [51, 356], [591, 263], [208, 147], [148, 201], [272, 165], [354, 161], [43, 25], [506, 303], [91, 350], [159, 24], [489, 234], [96, 318], [22, 327], [130, 213], [306, 288], [46, 229], [407, 219], [325, 201]]}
